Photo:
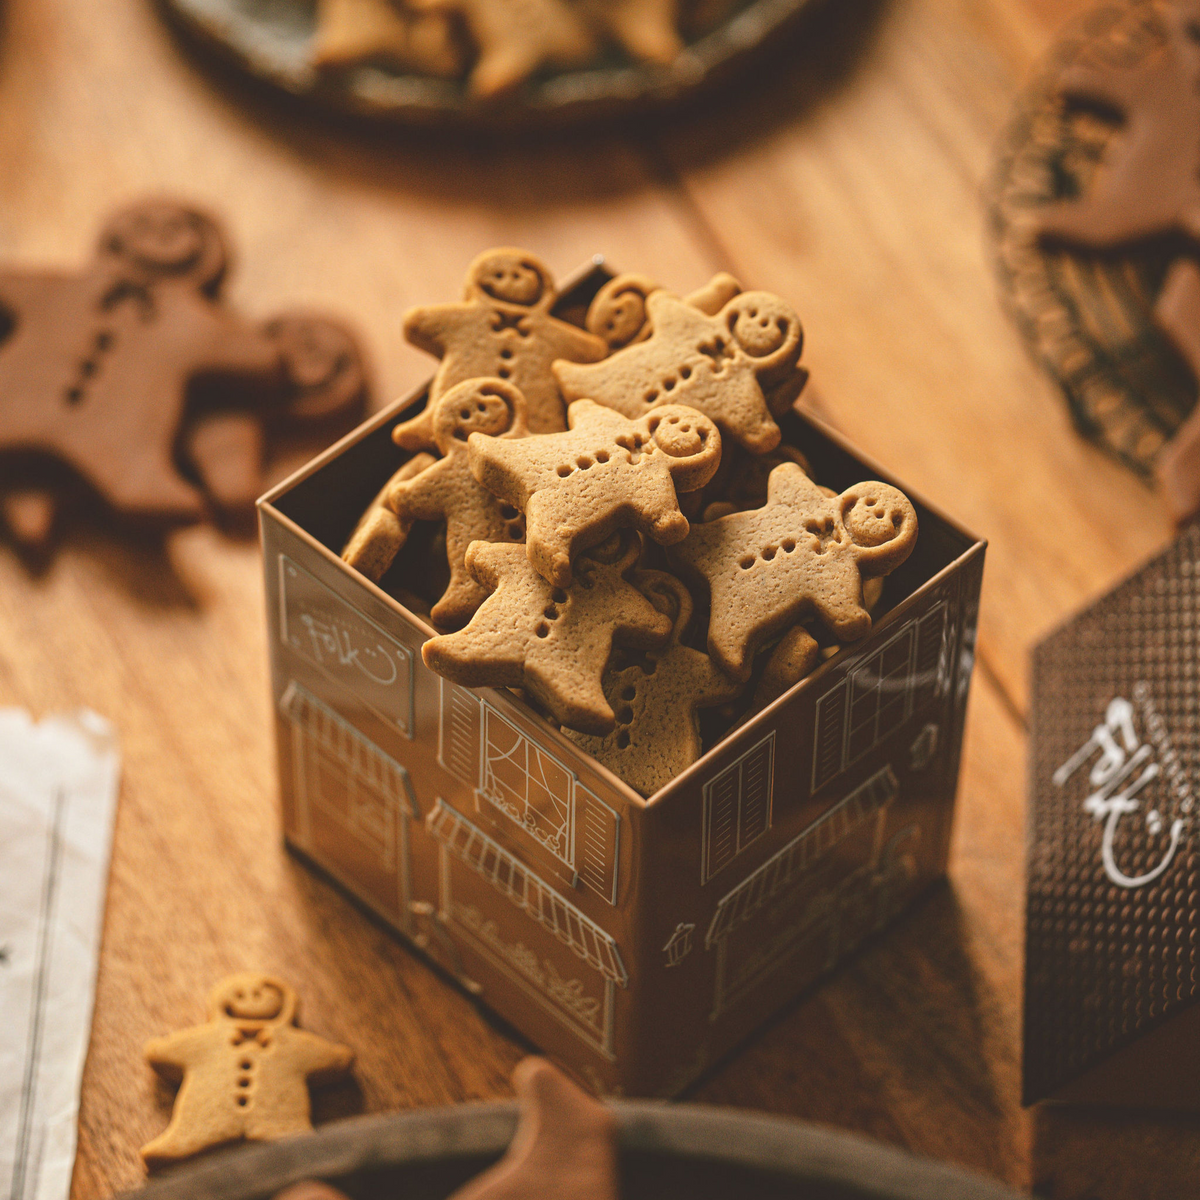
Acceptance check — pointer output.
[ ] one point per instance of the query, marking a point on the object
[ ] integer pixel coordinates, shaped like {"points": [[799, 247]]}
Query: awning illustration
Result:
{"points": [[536, 898]]}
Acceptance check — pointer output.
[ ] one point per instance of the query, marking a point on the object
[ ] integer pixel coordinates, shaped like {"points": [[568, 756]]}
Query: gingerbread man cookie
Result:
{"points": [[656, 701], [802, 553], [717, 364], [503, 329], [484, 408], [354, 31], [553, 642], [99, 369], [245, 1071], [605, 473], [380, 534], [516, 37]]}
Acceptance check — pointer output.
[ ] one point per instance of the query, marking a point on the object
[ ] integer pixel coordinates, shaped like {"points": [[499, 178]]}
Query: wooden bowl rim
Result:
{"points": [[797, 1151]]}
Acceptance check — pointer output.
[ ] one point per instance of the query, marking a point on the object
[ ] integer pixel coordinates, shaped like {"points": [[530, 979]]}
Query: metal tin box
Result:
{"points": [[635, 940]]}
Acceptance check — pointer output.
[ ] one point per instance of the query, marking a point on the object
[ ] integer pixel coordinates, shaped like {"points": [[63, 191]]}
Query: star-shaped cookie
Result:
{"points": [[502, 329], [606, 473], [656, 701], [802, 553], [554, 642], [718, 364], [447, 491]]}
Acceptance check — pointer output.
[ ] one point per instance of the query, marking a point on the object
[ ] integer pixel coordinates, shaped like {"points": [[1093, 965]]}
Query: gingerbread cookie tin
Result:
{"points": [[634, 938]]}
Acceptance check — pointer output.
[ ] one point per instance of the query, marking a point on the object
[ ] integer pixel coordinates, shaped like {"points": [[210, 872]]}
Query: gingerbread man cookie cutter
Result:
{"points": [[502, 329], [554, 642], [606, 473], [245, 1072], [718, 364], [802, 554]]}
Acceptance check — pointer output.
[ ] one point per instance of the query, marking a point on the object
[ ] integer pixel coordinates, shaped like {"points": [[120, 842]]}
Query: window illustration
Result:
{"points": [[533, 788], [906, 674], [737, 806], [346, 646], [353, 801], [762, 922], [491, 754]]}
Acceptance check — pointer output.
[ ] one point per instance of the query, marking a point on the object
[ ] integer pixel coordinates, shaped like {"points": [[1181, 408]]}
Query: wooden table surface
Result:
{"points": [[850, 182]]}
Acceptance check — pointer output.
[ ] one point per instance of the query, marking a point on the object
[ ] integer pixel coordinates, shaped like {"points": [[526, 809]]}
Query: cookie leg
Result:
{"points": [[194, 1126]]}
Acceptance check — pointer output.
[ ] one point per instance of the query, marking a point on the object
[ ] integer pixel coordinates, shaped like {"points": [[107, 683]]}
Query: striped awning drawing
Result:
{"points": [[364, 761], [801, 853], [508, 875]]}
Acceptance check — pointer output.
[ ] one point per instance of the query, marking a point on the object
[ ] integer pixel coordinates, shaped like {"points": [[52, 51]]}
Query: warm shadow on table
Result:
{"points": [[545, 170], [900, 1044], [1110, 1153]]}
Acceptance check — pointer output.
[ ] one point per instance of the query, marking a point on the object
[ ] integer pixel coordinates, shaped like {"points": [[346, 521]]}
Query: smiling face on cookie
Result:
{"points": [[618, 313], [488, 406], [509, 276], [252, 997], [881, 522], [763, 326], [690, 440], [162, 238]]}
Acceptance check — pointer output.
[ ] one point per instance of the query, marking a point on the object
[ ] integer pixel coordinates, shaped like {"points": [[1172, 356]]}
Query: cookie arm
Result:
{"points": [[425, 326], [231, 345], [421, 497], [173, 1054], [321, 1060]]}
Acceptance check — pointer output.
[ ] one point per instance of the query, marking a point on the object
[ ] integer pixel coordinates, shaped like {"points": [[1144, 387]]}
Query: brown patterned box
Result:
{"points": [[634, 940], [1112, 916]]}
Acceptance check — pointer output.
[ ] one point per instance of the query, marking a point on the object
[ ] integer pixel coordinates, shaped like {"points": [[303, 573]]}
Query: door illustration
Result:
{"points": [[353, 804]]}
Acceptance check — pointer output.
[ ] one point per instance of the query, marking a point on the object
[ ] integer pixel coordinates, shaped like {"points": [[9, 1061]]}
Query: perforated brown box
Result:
{"points": [[1112, 915], [635, 940]]}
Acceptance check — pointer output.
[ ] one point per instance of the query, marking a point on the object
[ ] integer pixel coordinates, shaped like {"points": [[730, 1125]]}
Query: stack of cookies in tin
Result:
{"points": [[627, 539]]}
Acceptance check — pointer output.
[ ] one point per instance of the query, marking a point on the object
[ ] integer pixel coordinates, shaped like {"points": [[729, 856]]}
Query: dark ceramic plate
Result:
{"points": [[270, 40], [667, 1152]]}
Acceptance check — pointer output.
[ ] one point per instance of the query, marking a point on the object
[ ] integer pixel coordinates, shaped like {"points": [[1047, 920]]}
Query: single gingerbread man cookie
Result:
{"points": [[656, 702], [354, 31], [245, 1072], [447, 491], [717, 364], [503, 329], [380, 534], [606, 473], [802, 553], [516, 37], [553, 642], [99, 369]]}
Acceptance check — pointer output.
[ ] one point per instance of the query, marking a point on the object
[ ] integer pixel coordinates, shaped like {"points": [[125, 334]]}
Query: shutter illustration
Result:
{"points": [[830, 738], [597, 841], [458, 736]]}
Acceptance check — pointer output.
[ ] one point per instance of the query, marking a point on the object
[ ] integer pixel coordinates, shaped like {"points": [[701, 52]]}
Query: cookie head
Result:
{"points": [[161, 239], [766, 328], [882, 524], [618, 313], [670, 596], [690, 440], [252, 997], [489, 406], [322, 362], [510, 276]]}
